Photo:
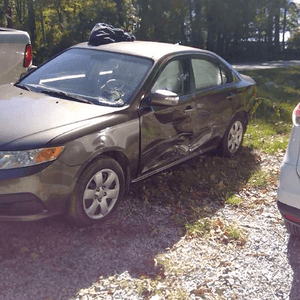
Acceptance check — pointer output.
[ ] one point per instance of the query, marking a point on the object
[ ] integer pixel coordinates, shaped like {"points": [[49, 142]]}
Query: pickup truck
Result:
{"points": [[15, 54]]}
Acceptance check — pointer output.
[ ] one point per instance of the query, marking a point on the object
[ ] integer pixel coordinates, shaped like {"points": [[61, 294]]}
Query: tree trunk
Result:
{"points": [[210, 42], [284, 25], [31, 20]]}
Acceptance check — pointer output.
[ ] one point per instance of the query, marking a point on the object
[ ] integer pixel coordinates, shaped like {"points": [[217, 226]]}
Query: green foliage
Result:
{"points": [[234, 29], [294, 41]]}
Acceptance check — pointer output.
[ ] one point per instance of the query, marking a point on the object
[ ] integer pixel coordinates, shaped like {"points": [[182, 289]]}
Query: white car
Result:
{"points": [[15, 54], [289, 182]]}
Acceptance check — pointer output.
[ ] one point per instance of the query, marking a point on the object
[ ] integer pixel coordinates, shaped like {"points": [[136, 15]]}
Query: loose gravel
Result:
{"points": [[144, 253]]}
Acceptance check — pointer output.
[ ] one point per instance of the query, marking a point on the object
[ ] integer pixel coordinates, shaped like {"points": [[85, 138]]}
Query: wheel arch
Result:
{"points": [[244, 115], [119, 157], [123, 161]]}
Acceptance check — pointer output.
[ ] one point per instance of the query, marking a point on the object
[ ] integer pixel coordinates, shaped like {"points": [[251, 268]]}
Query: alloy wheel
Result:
{"points": [[235, 136], [101, 194]]}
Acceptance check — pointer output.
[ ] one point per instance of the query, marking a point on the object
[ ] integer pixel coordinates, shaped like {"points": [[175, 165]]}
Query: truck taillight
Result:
{"points": [[27, 56], [296, 115]]}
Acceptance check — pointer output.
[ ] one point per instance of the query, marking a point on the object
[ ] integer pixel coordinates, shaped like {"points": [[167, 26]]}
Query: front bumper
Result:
{"points": [[36, 192]]}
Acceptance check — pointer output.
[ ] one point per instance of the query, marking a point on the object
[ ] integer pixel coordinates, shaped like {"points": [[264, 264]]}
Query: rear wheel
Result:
{"points": [[233, 137], [98, 192]]}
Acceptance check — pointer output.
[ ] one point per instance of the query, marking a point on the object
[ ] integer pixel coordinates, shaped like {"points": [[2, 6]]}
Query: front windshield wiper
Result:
{"points": [[84, 99], [21, 86], [57, 93]]}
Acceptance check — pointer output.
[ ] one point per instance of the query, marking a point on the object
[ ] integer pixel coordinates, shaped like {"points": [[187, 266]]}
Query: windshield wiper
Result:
{"points": [[57, 93], [21, 86], [75, 97]]}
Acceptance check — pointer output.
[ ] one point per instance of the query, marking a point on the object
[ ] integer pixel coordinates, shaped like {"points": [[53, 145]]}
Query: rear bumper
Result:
{"points": [[289, 213], [289, 186], [289, 193]]}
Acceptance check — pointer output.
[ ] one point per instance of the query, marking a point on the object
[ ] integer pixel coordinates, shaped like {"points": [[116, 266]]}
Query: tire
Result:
{"points": [[98, 192], [233, 137], [292, 229]]}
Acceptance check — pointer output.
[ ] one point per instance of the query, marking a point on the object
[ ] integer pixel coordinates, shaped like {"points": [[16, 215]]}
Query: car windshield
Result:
{"points": [[101, 77]]}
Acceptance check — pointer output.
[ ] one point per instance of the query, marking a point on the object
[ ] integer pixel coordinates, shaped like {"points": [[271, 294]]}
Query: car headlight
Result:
{"points": [[26, 158]]}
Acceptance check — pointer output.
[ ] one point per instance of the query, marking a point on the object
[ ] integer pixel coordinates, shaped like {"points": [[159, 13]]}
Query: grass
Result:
{"points": [[271, 119], [258, 179], [233, 200], [268, 137], [207, 227]]}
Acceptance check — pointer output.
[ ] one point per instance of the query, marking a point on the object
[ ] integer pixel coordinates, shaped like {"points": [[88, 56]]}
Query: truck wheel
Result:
{"points": [[98, 192], [233, 137]]}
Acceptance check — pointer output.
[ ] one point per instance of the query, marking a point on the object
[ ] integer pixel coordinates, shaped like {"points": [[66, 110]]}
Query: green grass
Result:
{"points": [[233, 200], [207, 227], [268, 137], [271, 118]]}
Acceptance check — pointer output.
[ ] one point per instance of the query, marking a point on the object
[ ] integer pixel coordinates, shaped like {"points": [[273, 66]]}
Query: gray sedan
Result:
{"points": [[79, 129]]}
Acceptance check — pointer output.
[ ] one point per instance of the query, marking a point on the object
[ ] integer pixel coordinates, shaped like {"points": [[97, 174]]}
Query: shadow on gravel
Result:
{"points": [[199, 187], [51, 259], [294, 259]]}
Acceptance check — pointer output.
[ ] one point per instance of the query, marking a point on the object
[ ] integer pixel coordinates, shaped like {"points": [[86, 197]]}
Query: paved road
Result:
{"points": [[266, 65]]}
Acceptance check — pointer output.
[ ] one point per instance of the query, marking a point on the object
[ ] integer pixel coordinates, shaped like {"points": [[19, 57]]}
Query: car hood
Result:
{"points": [[29, 119]]}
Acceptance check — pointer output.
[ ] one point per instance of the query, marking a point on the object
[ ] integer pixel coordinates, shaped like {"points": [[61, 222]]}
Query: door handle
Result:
{"points": [[230, 96]]}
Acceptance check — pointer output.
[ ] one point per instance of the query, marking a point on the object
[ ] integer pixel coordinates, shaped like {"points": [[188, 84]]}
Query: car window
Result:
{"points": [[172, 78], [101, 77], [206, 74], [226, 75]]}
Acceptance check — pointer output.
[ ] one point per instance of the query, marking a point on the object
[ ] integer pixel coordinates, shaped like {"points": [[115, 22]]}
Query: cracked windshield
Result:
{"points": [[98, 76]]}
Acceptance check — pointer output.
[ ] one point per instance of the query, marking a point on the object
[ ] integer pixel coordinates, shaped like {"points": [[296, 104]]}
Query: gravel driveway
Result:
{"points": [[146, 254]]}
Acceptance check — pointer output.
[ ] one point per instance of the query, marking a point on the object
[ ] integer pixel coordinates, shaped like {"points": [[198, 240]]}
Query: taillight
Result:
{"points": [[27, 56], [296, 115], [292, 218]]}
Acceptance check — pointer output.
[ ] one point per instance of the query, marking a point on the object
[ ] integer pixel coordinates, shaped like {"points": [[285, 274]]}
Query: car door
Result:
{"points": [[166, 130], [214, 93]]}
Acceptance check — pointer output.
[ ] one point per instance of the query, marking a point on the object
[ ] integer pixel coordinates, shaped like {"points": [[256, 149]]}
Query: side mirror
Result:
{"points": [[164, 98]]}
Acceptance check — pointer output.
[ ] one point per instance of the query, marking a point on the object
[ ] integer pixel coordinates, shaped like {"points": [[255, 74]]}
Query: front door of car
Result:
{"points": [[166, 129], [214, 94]]}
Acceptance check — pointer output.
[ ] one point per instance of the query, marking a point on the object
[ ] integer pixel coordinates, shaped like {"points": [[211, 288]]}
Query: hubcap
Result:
{"points": [[101, 194], [235, 136]]}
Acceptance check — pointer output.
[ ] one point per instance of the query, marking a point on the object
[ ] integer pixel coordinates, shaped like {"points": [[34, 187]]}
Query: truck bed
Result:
{"points": [[12, 50]]}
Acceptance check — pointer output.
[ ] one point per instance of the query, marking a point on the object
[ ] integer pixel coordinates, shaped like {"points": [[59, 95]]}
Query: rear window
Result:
{"points": [[206, 74]]}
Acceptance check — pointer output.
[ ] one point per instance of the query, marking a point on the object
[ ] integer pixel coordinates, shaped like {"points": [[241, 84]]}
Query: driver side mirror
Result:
{"points": [[164, 98]]}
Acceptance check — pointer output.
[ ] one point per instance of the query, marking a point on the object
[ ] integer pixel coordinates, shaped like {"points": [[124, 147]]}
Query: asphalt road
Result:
{"points": [[266, 65]]}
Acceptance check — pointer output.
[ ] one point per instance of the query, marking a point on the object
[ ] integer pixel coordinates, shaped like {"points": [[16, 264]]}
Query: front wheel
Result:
{"points": [[98, 192], [233, 137]]}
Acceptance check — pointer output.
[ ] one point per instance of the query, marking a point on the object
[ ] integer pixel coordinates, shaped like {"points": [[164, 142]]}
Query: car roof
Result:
{"points": [[153, 50]]}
